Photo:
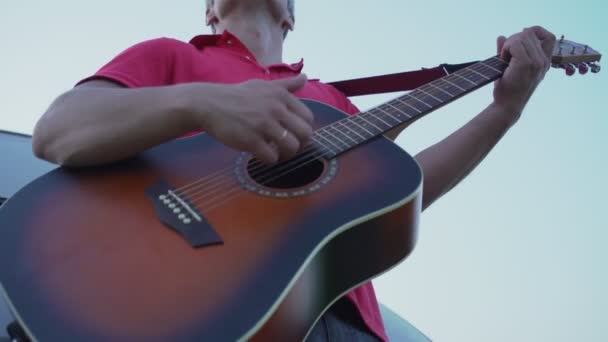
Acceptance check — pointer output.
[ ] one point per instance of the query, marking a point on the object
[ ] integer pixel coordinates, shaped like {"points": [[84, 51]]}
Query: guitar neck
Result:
{"points": [[355, 130]]}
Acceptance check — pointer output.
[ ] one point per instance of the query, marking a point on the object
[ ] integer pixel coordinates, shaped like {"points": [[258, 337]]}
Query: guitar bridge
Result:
{"points": [[175, 211]]}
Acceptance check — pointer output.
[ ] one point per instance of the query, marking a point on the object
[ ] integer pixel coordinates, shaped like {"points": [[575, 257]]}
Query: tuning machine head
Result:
{"points": [[595, 68], [570, 69], [572, 56]]}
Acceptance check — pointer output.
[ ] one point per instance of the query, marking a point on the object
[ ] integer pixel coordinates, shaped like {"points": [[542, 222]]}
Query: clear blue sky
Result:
{"points": [[517, 252]]}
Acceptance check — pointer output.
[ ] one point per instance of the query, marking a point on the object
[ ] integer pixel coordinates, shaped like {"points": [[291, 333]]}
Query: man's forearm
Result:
{"points": [[95, 125], [446, 163]]}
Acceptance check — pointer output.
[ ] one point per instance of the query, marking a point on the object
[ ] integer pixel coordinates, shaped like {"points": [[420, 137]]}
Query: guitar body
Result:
{"points": [[84, 255]]}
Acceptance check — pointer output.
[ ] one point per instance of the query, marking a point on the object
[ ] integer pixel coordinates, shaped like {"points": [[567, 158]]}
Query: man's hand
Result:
{"points": [[529, 53], [260, 117]]}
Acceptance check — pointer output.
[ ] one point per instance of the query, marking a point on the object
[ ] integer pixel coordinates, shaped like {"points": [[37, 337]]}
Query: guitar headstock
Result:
{"points": [[570, 56]]}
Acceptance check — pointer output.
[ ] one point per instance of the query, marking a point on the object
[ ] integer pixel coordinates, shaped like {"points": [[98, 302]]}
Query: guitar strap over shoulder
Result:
{"points": [[402, 81]]}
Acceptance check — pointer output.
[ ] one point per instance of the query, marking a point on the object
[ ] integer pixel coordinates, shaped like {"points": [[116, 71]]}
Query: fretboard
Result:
{"points": [[354, 130]]}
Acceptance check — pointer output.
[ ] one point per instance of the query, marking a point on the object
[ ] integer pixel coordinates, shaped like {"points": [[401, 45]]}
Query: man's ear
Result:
{"points": [[211, 17]]}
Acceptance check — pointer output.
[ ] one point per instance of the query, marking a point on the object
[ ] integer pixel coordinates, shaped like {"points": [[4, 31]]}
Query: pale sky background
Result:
{"points": [[517, 252]]}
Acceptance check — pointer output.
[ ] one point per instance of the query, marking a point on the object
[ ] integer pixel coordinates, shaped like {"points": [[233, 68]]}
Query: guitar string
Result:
{"points": [[237, 191], [253, 167], [226, 196], [256, 165]]}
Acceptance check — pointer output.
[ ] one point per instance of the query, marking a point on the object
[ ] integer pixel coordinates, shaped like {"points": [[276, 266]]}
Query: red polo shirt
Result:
{"points": [[225, 59]]}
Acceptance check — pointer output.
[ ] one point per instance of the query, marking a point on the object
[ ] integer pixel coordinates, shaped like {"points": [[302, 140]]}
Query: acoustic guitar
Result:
{"points": [[191, 240]]}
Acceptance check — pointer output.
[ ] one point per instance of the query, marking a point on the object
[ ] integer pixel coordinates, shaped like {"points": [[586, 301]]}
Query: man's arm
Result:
{"points": [[446, 163], [100, 122], [449, 161]]}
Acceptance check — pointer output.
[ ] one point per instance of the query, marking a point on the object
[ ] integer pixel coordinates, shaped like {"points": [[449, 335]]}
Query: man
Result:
{"points": [[235, 87]]}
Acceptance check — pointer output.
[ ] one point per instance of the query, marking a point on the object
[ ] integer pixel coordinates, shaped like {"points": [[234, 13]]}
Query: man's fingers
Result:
{"points": [[265, 152], [529, 41], [505, 53], [547, 39], [300, 109], [282, 138], [296, 125], [500, 42], [292, 84], [518, 53]]}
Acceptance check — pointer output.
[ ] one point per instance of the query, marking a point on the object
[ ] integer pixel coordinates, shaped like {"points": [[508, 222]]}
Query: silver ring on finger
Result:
{"points": [[284, 135]]}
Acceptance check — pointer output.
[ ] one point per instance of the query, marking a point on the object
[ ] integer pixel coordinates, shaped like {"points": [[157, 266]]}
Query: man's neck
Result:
{"points": [[260, 34]]}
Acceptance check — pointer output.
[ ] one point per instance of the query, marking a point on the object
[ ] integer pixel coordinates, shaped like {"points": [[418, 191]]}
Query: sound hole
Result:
{"points": [[285, 175]]}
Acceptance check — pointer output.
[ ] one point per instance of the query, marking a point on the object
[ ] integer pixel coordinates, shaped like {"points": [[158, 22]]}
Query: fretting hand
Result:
{"points": [[529, 55]]}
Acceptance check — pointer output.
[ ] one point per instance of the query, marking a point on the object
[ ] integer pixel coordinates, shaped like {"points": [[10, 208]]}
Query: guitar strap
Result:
{"points": [[402, 81]]}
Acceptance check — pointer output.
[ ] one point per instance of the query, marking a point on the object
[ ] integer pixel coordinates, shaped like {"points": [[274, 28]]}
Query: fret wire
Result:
{"points": [[389, 113], [489, 69], [351, 129], [409, 105], [375, 120], [471, 77], [354, 117], [435, 94], [496, 64], [503, 62], [377, 108], [330, 142], [336, 135], [445, 91], [456, 74], [454, 88], [445, 79], [369, 122], [399, 110], [324, 149], [419, 100], [480, 74], [431, 95], [342, 132], [466, 85]]}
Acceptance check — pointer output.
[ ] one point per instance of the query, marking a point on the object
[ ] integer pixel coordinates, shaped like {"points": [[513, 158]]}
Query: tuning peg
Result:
{"points": [[570, 69], [582, 68], [595, 68]]}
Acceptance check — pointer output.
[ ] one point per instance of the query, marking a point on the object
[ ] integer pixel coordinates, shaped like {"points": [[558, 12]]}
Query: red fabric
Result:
{"points": [[389, 83], [224, 59]]}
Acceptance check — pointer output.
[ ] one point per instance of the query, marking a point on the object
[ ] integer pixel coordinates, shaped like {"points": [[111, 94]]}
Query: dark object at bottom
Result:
{"points": [[342, 323], [16, 333]]}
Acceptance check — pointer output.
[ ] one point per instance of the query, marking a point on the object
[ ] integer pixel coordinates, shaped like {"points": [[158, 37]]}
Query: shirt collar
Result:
{"points": [[230, 41]]}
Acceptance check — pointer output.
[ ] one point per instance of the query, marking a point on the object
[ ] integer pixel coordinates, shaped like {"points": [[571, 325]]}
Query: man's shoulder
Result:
{"points": [[164, 41], [327, 93], [326, 87], [162, 45]]}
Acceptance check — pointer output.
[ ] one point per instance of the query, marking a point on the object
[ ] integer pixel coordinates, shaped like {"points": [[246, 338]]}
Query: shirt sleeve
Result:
{"points": [[146, 64]]}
